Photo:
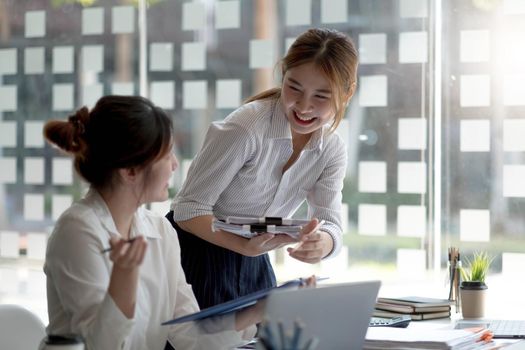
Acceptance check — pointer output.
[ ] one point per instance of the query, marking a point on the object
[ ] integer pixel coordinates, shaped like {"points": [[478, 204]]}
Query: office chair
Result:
{"points": [[19, 328]]}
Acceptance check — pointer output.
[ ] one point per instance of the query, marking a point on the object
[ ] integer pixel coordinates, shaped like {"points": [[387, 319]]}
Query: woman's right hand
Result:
{"points": [[266, 242], [127, 255]]}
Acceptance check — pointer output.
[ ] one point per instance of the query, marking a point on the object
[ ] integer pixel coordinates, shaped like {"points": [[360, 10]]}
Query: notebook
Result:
{"points": [[501, 328], [336, 315]]}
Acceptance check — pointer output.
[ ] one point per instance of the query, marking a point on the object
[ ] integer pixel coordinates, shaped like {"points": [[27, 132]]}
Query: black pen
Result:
{"points": [[110, 248]]}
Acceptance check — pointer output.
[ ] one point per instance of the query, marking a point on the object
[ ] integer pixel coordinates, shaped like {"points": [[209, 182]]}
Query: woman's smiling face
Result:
{"points": [[307, 98]]}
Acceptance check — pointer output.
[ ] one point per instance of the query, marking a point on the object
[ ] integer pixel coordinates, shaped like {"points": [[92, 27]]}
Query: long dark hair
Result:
{"points": [[119, 132], [334, 53]]}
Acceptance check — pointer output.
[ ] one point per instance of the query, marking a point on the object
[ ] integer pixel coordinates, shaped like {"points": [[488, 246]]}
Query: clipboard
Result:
{"points": [[236, 304]]}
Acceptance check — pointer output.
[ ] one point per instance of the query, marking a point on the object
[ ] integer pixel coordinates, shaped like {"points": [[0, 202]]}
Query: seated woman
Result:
{"points": [[119, 298]]}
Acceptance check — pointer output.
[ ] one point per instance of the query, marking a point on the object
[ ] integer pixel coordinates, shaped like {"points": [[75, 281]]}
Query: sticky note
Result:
{"points": [[33, 134], [62, 171], [412, 133], [8, 173], [93, 58], [513, 131], [162, 94], [8, 134], [372, 177], [413, 47], [371, 219], [35, 24], [227, 14], [510, 54], [8, 60], [193, 16], [261, 54], [411, 221], [228, 93], [513, 7], [513, 92], [413, 8], [373, 91], [91, 94], [161, 57], [193, 56], [63, 97], [34, 171], [411, 177], [288, 43], [92, 21], [334, 11], [474, 45], [9, 245], [474, 91], [513, 184], [123, 89], [512, 264], [36, 245], [34, 60], [8, 98], [474, 135], [372, 48], [298, 12], [411, 262], [59, 203], [195, 94], [63, 59], [34, 207], [122, 19], [474, 225]]}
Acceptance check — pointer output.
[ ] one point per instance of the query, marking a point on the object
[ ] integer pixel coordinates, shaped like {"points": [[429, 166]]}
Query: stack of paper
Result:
{"points": [[378, 338], [419, 308], [249, 227]]}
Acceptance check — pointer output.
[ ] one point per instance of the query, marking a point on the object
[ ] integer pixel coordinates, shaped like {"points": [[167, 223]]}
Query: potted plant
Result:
{"points": [[473, 287]]}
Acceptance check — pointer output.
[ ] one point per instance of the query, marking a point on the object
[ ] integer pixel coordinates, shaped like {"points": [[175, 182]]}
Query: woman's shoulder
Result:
{"points": [[158, 222], [252, 114], [333, 139], [78, 222]]}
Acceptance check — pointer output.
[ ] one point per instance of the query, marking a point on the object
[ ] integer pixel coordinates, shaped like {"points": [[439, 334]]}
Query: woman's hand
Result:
{"points": [[127, 255], [265, 242], [314, 244]]}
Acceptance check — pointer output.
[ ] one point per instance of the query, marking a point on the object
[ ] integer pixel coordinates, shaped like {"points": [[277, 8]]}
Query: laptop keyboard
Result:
{"points": [[508, 328]]}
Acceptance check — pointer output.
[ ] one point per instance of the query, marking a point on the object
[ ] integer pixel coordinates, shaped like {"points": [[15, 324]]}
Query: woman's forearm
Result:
{"points": [[200, 226]]}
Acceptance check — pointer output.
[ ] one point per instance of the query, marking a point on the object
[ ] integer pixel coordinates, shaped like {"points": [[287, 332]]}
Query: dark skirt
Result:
{"points": [[217, 274]]}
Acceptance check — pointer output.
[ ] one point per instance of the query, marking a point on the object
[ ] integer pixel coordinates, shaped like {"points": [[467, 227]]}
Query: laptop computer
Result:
{"points": [[332, 316], [505, 329]]}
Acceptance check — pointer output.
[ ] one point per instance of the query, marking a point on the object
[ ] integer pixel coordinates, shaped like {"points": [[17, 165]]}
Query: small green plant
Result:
{"points": [[477, 268]]}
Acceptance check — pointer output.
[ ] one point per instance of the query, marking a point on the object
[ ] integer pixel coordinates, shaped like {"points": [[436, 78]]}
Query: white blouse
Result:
{"points": [[239, 171], [78, 277]]}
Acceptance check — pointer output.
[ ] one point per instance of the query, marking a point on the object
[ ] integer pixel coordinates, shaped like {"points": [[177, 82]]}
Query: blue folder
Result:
{"points": [[236, 304]]}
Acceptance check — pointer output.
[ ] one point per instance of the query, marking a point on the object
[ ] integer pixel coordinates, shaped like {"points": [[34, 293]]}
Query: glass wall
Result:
{"points": [[433, 132]]}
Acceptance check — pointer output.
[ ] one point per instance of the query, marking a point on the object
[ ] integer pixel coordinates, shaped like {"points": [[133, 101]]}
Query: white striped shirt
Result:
{"points": [[238, 171]]}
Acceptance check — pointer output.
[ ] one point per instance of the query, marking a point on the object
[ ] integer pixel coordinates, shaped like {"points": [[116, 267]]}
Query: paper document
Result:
{"points": [[250, 227], [407, 338]]}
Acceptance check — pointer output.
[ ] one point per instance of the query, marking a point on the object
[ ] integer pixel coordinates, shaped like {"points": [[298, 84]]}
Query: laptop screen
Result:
{"points": [[331, 316]]}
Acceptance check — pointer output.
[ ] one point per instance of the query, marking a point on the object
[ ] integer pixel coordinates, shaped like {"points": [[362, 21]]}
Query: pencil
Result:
{"points": [[110, 248]]}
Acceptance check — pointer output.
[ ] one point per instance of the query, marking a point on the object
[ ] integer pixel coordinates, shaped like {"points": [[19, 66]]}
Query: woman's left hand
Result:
{"points": [[314, 244]]}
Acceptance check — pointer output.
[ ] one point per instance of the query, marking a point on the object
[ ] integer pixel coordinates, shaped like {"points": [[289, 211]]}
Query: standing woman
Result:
{"points": [[265, 159], [118, 299]]}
